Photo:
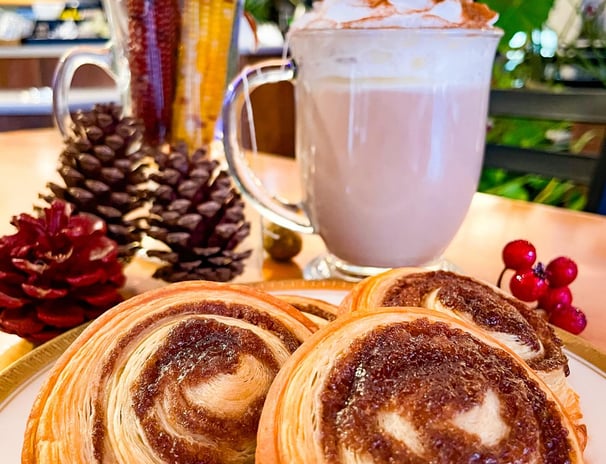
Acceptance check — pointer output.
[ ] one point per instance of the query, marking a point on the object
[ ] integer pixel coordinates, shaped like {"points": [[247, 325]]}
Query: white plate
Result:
{"points": [[20, 383]]}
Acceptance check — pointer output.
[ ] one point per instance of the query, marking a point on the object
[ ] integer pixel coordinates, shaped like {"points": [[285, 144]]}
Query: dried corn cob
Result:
{"points": [[154, 27], [222, 18], [203, 61], [186, 107]]}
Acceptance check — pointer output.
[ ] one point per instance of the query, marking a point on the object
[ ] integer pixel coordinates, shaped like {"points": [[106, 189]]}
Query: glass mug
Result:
{"points": [[390, 134], [111, 58]]}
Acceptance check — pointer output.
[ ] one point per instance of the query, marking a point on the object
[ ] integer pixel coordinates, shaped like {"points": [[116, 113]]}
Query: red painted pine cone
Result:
{"points": [[56, 272]]}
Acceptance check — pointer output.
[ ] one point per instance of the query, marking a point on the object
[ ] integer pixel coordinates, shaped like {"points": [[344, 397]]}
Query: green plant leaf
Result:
{"points": [[491, 177], [583, 140], [527, 133], [519, 15], [259, 9], [536, 184], [576, 200], [511, 189], [553, 193]]}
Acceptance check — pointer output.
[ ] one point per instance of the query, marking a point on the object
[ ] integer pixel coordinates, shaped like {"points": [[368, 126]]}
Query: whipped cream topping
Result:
{"points": [[370, 14]]}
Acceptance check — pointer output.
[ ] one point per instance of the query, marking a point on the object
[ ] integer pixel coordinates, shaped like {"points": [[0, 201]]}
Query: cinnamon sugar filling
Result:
{"points": [[403, 393], [487, 308]]}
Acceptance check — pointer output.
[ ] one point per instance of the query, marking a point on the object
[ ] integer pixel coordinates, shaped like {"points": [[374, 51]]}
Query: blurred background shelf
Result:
{"points": [[41, 32], [38, 101], [15, 2], [37, 49], [32, 108]]}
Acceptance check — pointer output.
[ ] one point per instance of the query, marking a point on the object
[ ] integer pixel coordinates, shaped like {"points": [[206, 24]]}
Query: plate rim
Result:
{"points": [[26, 367]]}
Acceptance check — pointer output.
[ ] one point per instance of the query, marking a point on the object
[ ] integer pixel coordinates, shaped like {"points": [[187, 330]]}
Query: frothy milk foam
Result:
{"points": [[390, 137], [365, 14]]}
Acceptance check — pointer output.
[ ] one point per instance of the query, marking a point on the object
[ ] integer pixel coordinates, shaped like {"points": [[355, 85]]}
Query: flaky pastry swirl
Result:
{"points": [[319, 311], [410, 385], [503, 317], [177, 374]]}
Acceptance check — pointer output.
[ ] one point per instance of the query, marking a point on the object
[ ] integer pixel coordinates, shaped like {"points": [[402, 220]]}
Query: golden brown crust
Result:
{"points": [[490, 309], [167, 376], [392, 385], [319, 311]]}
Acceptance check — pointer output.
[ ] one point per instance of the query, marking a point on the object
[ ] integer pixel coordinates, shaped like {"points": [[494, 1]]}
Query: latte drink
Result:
{"points": [[400, 189], [391, 128], [391, 100]]}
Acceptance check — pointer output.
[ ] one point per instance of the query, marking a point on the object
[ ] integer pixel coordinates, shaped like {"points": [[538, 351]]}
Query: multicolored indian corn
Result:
{"points": [[154, 28], [178, 56], [203, 60]]}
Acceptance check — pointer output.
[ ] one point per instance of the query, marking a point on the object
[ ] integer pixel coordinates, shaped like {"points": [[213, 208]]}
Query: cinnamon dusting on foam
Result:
{"points": [[478, 13], [378, 3], [405, 14]]}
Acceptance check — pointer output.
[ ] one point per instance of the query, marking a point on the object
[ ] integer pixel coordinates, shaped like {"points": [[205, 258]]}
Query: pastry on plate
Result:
{"points": [[12, 347], [411, 385], [487, 307], [177, 374], [319, 311]]}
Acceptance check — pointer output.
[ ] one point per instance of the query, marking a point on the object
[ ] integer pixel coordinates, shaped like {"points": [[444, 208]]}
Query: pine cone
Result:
{"points": [[198, 214], [103, 173], [56, 271]]}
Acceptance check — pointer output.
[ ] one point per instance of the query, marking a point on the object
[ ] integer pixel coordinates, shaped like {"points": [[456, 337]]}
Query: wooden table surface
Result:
{"points": [[28, 160]]}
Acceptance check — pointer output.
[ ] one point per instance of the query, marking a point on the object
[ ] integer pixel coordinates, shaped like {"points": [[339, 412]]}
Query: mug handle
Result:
{"points": [[64, 73], [289, 215]]}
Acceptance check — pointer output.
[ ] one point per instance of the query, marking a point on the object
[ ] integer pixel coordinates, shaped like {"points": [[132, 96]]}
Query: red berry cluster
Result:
{"points": [[548, 285]]}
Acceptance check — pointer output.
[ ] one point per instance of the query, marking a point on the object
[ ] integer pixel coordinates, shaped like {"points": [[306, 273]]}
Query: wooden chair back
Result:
{"points": [[581, 106]]}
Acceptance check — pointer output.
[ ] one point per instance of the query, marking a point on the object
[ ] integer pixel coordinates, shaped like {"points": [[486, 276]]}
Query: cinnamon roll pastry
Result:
{"points": [[319, 311], [411, 385], [177, 374], [490, 309]]}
